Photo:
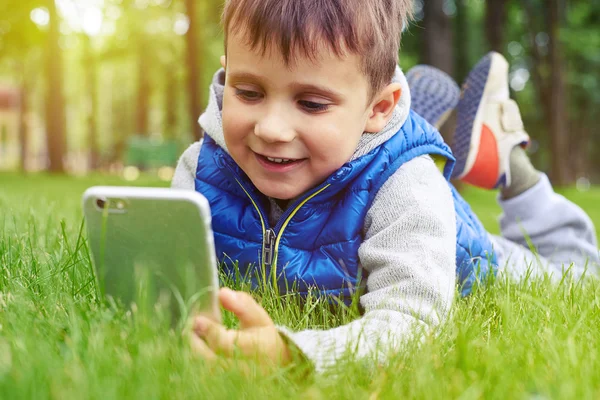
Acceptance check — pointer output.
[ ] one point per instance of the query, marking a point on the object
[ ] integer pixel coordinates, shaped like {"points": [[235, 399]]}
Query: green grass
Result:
{"points": [[531, 340]]}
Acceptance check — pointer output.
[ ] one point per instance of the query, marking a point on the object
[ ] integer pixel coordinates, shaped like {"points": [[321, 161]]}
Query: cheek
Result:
{"points": [[236, 120], [334, 141]]}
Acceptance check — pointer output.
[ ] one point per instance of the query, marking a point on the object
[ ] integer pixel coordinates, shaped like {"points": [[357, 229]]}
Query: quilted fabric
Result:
{"points": [[317, 239]]}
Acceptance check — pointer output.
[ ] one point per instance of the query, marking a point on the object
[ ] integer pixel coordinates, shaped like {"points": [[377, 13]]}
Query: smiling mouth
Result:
{"points": [[278, 163], [281, 160]]}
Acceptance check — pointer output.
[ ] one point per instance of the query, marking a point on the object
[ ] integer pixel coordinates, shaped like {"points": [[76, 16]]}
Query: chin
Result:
{"points": [[280, 193]]}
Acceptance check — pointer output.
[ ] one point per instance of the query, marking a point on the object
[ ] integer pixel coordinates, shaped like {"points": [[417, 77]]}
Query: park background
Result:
{"points": [[97, 92], [105, 84]]}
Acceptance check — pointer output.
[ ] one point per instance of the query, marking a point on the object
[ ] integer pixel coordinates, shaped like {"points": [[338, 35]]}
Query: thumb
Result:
{"points": [[245, 308]]}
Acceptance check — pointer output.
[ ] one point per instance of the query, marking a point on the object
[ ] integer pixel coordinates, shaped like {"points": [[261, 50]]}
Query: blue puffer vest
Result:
{"points": [[316, 241]]}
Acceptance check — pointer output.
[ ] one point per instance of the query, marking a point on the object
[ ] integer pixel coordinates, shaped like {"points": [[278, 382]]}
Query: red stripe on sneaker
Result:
{"points": [[485, 170]]}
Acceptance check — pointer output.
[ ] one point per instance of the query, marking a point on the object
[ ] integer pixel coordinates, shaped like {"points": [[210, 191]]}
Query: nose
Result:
{"points": [[273, 127]]}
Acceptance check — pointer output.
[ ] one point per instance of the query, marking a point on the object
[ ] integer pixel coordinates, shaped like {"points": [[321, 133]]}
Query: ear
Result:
{"points": [[223, 60], [382, 107]]}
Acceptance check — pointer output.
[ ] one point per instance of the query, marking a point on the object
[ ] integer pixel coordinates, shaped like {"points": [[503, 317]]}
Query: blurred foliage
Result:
{"points": [[140, 72]]}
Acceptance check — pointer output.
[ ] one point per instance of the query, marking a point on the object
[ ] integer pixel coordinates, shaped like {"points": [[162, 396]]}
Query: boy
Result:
{"points": [[314, 166], [489, 149]]}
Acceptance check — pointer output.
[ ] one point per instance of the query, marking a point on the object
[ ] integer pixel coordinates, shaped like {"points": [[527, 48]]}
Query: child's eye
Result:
{"points": [[313, 107], [248, 95]]}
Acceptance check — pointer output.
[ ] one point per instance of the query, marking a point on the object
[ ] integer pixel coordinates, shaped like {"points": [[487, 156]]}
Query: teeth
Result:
{"points": [[279, 160]]}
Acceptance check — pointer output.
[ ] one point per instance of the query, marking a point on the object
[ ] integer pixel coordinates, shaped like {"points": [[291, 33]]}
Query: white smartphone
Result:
{"points": [[153, 248]]}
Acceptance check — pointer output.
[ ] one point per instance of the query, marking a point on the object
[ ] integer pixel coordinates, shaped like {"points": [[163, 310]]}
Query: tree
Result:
{"points": [[495, 24], [548, 73], [194, 45], [18, 43], [23, 124], [438, 46], [92, 95], [558, 105], [583, 86], [461, 27], [143, 88], [171, 87], [55, 102]]}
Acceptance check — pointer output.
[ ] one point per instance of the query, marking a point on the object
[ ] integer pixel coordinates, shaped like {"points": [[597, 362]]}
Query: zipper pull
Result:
{"points": [[268, 247]]}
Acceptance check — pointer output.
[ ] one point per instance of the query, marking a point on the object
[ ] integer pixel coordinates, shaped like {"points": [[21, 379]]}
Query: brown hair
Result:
{"points": [[369, 28]]}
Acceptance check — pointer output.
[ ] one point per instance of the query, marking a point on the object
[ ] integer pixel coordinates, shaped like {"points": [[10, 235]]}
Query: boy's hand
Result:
{"points": [[257, 338]]}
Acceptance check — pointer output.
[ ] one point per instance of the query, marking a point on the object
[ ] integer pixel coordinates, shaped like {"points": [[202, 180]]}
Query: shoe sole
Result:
{"points": [[431, 83], [472, 140]]}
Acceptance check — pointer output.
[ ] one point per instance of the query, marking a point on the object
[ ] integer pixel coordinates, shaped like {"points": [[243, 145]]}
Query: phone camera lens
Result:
{"points": [[101, 203]]}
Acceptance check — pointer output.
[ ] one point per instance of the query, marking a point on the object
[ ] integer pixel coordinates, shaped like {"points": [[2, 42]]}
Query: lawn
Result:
{"points": [[531, 340]]}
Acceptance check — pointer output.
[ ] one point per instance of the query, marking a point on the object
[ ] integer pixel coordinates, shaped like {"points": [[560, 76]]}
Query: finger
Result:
{"points": [[228, 342], [200, 348], [245, 308], [219, 339]]}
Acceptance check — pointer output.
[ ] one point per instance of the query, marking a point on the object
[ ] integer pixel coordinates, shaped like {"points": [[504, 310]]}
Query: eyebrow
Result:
{"points": [[298, 86]]}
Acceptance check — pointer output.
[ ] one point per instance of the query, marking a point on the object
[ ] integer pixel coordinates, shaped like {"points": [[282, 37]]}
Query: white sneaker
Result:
{"points": [[489, 126]]}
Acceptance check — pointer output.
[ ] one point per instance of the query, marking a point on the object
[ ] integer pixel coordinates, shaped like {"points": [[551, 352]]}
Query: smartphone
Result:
{"points": [[153, 249]]}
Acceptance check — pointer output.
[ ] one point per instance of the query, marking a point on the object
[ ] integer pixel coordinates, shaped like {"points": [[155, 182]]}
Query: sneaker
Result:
{"points": [[434, 94], [488, 126]]}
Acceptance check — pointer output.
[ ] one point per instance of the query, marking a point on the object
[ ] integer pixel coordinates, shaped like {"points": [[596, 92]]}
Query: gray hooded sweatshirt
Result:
{"points": [[408, 251]]}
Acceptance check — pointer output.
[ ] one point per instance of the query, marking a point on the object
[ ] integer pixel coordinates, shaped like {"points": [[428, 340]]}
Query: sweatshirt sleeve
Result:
{"points": [[185, 172], [409, 252]]}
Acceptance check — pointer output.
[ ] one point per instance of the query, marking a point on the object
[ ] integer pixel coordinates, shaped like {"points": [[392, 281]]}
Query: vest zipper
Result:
{"points": [[263, 222], [268, 247], [289, 214], [271, 237]]}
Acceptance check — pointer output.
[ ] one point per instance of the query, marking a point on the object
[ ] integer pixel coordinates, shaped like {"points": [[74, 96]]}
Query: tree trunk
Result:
{"points": [[539, 61], [143, 90], [495, 23], [171, 105], [461, 27], [23, 128], [559, 170], [55, 102], [121, 127], [194, 71], [438, 46], [547, 72], [92, 109]]}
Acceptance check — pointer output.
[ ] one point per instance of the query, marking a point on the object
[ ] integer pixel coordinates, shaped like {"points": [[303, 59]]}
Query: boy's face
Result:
{"points": [[289, 128]]}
